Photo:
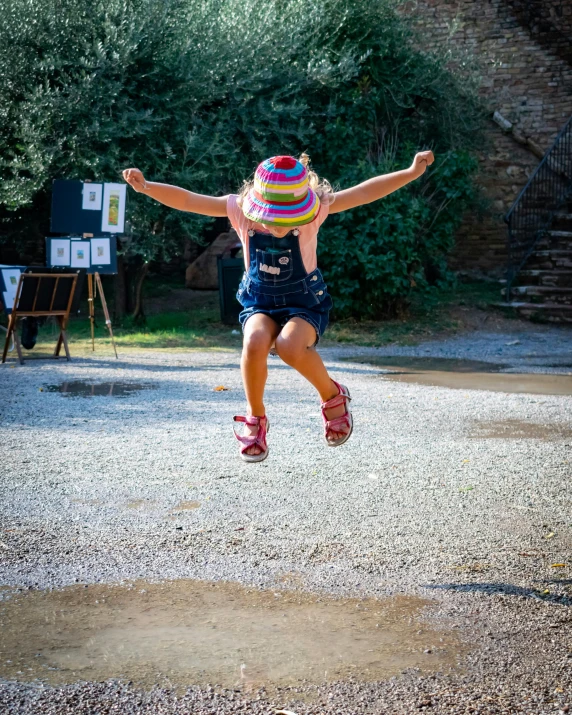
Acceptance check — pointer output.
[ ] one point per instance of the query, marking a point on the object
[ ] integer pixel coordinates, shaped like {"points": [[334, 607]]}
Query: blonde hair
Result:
{"points": [[321, 187]]}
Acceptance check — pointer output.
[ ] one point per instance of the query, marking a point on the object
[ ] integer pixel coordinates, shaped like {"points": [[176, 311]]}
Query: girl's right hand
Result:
{"points": [[135, 179], [422, 160]]}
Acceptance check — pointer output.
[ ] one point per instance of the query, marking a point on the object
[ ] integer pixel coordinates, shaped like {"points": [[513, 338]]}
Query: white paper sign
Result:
{"points": [[80, 254], [92, 194], [11, 278], [60, 255], [100, 251], [113, 217], [8, 300]]}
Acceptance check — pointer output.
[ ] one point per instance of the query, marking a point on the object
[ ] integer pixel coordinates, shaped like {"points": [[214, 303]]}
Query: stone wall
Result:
{"points": [[549, 22], [522, 49]]}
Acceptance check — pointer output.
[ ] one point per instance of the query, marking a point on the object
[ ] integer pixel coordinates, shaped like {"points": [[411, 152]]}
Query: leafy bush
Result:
{"points": [[376, 254], [197, 93]]}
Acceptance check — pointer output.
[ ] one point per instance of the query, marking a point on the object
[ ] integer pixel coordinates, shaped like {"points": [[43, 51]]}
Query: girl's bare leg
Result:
{"points": [[293, 344], [260, 332]]}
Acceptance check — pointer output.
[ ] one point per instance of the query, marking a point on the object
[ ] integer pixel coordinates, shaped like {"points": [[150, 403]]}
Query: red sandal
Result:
{"points": [[258, 439], [345, 420]]}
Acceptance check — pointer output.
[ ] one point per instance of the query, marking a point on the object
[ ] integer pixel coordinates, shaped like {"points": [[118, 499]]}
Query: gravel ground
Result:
{"points": [[415, 503]]}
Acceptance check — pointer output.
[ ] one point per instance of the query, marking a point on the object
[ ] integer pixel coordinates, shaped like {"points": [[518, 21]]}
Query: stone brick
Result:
{"points": [[527, 77]]}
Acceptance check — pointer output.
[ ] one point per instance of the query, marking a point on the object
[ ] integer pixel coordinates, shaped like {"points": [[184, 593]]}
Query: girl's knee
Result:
{"points": [[290, 350], [257, 342]]}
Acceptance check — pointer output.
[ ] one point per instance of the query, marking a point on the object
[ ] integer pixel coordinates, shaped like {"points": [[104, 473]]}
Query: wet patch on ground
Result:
{"points": [[467, 375], [194, 633], [182, 508], [185, 506], [140, 504], [431, 364], [519, 429], [78, 388], [502, 382]]}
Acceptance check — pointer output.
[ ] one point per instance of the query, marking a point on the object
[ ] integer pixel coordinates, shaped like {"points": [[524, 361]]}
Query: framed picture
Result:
{"points": [[101, 251], [91, 197], [60, 252], [80, 254], [113, 215]]}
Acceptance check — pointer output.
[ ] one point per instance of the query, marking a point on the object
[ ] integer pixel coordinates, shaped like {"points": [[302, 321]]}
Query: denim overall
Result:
{"points": [[276, 283]]}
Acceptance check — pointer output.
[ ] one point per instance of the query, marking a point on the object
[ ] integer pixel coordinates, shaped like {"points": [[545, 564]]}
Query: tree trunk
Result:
{"points": [[138, 312]]}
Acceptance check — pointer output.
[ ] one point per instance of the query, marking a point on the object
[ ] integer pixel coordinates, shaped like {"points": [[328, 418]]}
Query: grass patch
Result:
{"points": [[199, 326], [433, 313]]}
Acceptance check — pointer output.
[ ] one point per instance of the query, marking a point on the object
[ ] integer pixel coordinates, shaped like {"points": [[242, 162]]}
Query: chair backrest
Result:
{"points": [[45, 294]]}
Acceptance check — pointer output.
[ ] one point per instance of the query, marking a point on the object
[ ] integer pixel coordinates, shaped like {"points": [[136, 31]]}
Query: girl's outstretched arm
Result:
{"points": [[175, 197], [381, 186]]}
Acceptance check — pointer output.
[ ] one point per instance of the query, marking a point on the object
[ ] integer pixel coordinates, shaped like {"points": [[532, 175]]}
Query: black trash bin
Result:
{"points": [[230, 272]]}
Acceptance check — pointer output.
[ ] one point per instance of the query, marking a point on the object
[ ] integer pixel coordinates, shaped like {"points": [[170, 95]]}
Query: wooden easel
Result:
{"points": [[45, 308], [93, 284]]}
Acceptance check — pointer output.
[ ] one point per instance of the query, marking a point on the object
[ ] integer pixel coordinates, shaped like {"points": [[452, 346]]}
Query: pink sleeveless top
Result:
{"points": [[308, 236]]}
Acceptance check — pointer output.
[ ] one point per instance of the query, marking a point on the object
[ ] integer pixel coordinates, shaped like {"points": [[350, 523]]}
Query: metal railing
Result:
{"points": [[545, 192]]}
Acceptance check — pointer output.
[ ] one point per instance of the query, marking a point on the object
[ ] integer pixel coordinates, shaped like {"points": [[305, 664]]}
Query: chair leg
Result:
{"points": [[58, 345], [8, 334], [62, 340], [18, 344], [65, 342]]}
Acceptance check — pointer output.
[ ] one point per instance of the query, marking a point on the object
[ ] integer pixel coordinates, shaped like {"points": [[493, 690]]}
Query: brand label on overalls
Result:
{"points": [[284, 260], [274, 270]]}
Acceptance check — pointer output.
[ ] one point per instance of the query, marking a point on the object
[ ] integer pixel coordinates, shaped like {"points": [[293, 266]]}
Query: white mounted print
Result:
{"points": [[113, 216], [100, 251], [92, 195], [60, 252], [80, 254]]}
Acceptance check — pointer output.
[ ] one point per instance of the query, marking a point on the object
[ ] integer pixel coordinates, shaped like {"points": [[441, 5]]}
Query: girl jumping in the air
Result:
{"points": [[284, 297]]}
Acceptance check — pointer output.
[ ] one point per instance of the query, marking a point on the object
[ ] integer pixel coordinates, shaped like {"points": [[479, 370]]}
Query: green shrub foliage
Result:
{"points": [[197, 92]]}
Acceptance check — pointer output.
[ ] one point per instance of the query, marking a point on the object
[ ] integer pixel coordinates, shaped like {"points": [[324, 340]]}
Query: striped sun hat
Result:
{"points": [[281, 194]]}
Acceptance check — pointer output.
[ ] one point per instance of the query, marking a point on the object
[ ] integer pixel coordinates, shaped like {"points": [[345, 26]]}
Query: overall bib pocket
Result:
{"points": [[274, 266]]}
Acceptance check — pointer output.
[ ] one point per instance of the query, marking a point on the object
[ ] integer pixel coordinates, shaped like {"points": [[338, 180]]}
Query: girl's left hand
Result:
{"points": [[422, 160]]}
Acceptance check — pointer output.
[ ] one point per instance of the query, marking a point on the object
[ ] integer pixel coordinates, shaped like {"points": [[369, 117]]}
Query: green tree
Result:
{"points": [[197, 93]]}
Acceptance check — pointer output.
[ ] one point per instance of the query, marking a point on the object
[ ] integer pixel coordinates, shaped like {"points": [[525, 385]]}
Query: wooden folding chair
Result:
{"points": [[42, 295]]}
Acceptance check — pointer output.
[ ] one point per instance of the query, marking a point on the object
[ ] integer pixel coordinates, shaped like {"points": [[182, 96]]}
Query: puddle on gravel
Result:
{"points": [[98, 389], [181, 508], [140, 503], [186, 632], [185, 506], [467, 375], [519, 429], [432, 364]]}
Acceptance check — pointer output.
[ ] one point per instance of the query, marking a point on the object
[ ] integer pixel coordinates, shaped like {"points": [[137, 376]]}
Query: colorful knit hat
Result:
{"points": [[281, 194]]}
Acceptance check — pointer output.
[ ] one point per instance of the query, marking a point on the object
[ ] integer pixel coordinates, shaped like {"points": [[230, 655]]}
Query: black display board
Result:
{"points": [[67, 213], [80, 207]]}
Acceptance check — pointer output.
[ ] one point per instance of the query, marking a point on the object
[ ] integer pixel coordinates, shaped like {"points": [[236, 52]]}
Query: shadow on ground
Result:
{"points": [[506, 589]]}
